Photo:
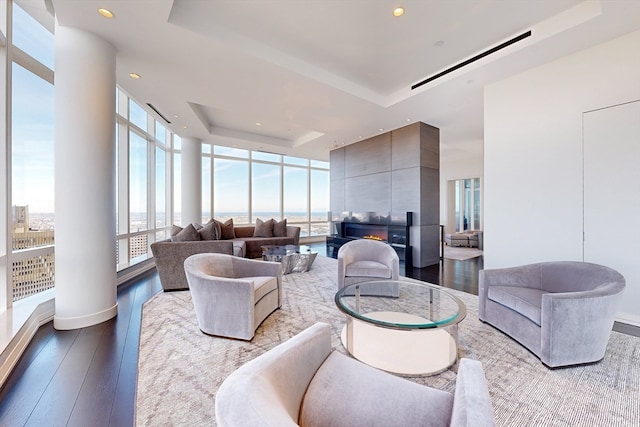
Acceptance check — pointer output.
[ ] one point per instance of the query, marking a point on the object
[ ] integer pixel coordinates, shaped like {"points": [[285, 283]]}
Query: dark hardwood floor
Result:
{"points": [[87, 377]]}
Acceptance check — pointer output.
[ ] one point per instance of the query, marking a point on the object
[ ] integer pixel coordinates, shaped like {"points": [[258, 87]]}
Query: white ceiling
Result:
{"points": [[318, 74]]}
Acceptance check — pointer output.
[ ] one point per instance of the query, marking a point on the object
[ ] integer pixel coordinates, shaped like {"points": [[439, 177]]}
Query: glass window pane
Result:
{"points": [[33, 38], [137, 115], [206, 148], [137, 183], [295, 194], [319, 164], [231, 152], [161, 188], [32, 159], [206, 189], [177, 142], [269, 157], [295, 161], [231, 190], [319, 202], [265, 191], [161, 132], [177, 188], [319, 195]]}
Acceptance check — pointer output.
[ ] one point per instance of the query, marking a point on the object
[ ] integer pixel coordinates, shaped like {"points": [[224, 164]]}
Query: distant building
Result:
{"points": [[35, 274]]}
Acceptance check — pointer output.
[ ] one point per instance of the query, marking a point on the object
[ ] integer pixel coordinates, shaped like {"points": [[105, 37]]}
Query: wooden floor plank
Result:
{"points": [[59, 398], [30, 379]]}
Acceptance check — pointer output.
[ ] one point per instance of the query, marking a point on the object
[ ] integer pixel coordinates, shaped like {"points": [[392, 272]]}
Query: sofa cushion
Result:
{"points": [[526, 301], [349, 393], [280, 228], [187, 234], [239, 248], [263, 228], [226, 229], [263, 285], [368, 269], [209, 231]]}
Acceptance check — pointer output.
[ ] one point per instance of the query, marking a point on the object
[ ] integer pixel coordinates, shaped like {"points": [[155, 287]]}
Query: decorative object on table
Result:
{"points": [[294, 258], [563, 311]]}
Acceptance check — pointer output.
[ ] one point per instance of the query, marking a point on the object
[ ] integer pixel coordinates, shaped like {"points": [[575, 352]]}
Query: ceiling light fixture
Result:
{"points": [[258, 124], [398, 12], [134, 75], [106, 13]]}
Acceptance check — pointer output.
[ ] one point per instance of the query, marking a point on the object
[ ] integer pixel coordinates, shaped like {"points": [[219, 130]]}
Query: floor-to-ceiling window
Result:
{"points": [[30, 52], [467, 204], [143, 181], [245, 185]]}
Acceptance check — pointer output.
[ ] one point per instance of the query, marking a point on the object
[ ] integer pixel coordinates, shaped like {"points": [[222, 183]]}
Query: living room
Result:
{"points": [[535, 193]]}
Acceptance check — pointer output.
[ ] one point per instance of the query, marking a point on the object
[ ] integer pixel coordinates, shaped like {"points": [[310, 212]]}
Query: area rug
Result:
{"points": [[460, 253], [180, 368]]}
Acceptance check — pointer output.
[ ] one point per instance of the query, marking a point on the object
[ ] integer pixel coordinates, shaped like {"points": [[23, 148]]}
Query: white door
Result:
{"points": [[612, 197]]}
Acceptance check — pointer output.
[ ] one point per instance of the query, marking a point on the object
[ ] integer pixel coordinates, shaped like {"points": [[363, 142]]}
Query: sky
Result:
{"points": [[33, 150]]}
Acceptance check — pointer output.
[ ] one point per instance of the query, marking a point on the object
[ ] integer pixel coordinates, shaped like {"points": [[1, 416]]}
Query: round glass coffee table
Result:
{"points": [[413, 334]]}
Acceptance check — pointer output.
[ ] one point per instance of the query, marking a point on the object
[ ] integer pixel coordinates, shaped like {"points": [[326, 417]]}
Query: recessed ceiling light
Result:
{"points": [[408, 119], [184, 127], [134, 75], [258, 124], [106, 13], [438, 43], [381, 129], [398, 11], [176, 116]]}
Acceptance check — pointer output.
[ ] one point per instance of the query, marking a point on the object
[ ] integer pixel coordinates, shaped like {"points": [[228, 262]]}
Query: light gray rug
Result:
{"points": [[460, 253], [180, 369]]}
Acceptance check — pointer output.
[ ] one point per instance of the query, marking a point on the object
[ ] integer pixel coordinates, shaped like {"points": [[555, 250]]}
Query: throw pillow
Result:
{"points": [[280, 228], [187, 234], [208, 231], [226, 229], [263, 228], [175, 229]]}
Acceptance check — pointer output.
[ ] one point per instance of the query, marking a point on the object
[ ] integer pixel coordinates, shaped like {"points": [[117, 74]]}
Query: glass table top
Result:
{"points": [[418, 306]]}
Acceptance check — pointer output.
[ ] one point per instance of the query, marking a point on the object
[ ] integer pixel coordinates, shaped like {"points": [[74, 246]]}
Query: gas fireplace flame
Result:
{"points": [[372, 237]]}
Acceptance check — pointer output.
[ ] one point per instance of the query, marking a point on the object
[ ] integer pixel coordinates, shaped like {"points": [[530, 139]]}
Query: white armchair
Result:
{"points": [[302, 382], [232, 296], [365, 260]]}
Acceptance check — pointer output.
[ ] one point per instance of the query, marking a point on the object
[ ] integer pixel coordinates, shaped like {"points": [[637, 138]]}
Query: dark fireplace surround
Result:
{"points": [[391, 228]]}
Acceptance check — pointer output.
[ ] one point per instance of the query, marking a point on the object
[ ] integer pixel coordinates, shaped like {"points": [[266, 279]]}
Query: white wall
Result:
{"points": [[533, 172]]}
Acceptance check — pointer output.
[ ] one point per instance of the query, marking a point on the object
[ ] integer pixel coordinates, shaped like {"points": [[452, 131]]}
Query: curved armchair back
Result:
{"points": [[231, 295], [575, 276], [370, 250]]}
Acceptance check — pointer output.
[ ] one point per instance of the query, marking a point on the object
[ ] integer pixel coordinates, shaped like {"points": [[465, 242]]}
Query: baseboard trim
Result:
{"points": [[17, 345]]}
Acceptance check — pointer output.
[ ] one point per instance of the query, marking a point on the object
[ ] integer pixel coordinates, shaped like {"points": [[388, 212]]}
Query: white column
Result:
{"points": [[85, 85], [191, 181]]}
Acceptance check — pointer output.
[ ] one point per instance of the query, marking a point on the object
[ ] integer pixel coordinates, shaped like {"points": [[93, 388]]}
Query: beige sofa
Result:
{"points": [[170, 255]]}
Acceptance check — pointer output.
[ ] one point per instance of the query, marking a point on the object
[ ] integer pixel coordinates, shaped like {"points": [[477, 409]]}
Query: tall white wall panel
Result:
{"points": [[533, 153], [612, 197]]}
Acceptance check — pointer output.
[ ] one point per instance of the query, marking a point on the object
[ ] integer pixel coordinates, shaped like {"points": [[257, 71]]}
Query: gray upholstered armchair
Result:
{"points": [[364, 260], [562, 312], [302, 382], [232, 295]]}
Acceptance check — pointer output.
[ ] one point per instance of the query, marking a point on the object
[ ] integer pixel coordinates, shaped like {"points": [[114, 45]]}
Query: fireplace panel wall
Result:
{"points": [[389, 227]]}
